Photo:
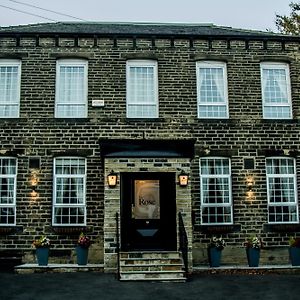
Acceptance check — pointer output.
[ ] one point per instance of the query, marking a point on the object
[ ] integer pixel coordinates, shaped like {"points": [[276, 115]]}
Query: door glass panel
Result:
{"points": [[146, 199]]}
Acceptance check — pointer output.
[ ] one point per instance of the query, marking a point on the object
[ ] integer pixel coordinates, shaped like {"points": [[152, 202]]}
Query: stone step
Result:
{"points": [[147, 261], [153, 276], [158, 265], [146, 268], [150, 255]]}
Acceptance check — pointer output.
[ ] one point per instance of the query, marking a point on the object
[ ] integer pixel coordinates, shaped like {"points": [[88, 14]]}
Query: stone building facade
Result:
{"points": [[147, 103]]}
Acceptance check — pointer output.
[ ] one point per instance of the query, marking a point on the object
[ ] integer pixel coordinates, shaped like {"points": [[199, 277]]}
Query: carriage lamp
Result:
{"points": [[250, 183], [34, 180], [112, 179], [183, 179]]}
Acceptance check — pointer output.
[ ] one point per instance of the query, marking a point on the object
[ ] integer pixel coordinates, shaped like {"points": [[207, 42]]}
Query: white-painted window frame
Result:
{"points": [[201, 104], [283, 204], [288, 104], [6, 104], [81, 113], [14, 177], [136, 63], [69, 205], [229, 186]]}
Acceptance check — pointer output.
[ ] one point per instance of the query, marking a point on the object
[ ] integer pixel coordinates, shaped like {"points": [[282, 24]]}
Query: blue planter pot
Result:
{"points": [[42, 255], [82, 255], [295, 256], [253, 256], [214, 257]]}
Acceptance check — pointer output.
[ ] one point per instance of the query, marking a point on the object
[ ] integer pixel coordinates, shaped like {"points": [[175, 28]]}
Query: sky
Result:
{"points": [[247, 14]]}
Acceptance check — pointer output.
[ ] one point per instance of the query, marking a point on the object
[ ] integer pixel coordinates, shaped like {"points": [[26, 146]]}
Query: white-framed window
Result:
{"points": [[276, 90], [8, 183], [216, 195], [212, 92], [69, 203], [282, 190], [141, 89], [71, 88], [10, 84]]}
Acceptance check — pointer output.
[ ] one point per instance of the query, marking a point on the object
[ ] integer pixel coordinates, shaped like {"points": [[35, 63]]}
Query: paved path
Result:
{"points": [[94, 286]]}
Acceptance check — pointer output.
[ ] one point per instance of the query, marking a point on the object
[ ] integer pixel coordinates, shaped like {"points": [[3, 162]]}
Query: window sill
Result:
{"points": [[5, 230], [218, 229], [129, 120], [71, 229], [284, 121], [281, 227]]}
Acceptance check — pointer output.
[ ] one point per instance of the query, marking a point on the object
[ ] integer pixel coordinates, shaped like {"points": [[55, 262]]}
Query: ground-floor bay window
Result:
{"points": [[69, 204], [8, 179], [282, 191], [216, 200]]}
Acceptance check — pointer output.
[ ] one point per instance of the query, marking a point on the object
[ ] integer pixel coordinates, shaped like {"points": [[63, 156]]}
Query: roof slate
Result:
{"points": [[138, 29]]}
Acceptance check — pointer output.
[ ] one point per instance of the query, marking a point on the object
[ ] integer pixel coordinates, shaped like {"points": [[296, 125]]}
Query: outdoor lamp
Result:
{"points": [[250, 183], [183, 179], [112, 179]]}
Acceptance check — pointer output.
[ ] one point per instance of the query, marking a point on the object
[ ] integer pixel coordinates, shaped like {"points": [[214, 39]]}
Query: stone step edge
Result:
{"points": [[173, 279], [150, 265], [149, 258], [153, 272], [154, 252]]}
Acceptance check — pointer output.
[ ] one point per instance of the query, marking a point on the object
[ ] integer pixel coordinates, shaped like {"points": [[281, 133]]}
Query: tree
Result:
{"points": [[290, 24]]}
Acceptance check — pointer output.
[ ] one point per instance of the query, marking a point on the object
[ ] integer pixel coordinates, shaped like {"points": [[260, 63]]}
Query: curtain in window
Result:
{"points": [[281, 190], [142, 99], [71, 98], [215, 188], [211, 85], [7, 181], [69, 187], [8, 91], [275, 86]]}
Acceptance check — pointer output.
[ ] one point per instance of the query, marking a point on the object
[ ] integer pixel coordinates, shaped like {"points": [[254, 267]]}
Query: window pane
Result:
{"points": [[71, 92], [215, 111], [142, 99], [211, 215], [275, 86], [211, 85], [69, 206], [215, 191], [7, 215], [69, 216], [9, 91], [281, 190], [212, 92], [282, 197], [277, 112], [276, 91], [8, 174]]}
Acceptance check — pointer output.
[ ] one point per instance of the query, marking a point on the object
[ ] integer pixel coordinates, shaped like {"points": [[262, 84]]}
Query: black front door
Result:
{"points": [[148, 211]]}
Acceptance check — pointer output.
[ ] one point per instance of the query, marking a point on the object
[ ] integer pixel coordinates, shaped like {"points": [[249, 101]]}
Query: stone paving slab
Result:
{"points": [[58, 268]]}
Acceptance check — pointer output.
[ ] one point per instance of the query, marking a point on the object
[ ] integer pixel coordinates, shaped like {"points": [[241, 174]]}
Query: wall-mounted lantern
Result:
{"points": [[183, 179], [250, 183], [34, 164], [112, 179]]}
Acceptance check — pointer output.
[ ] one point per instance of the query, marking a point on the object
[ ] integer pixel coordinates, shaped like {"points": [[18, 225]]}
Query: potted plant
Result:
{"points": [[83, 244], [42, 246], [253, 246], [294, 251], [215, 247]]}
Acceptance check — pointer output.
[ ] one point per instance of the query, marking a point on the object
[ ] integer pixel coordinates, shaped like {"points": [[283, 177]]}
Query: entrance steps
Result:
{"points": [[151, 266]]}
